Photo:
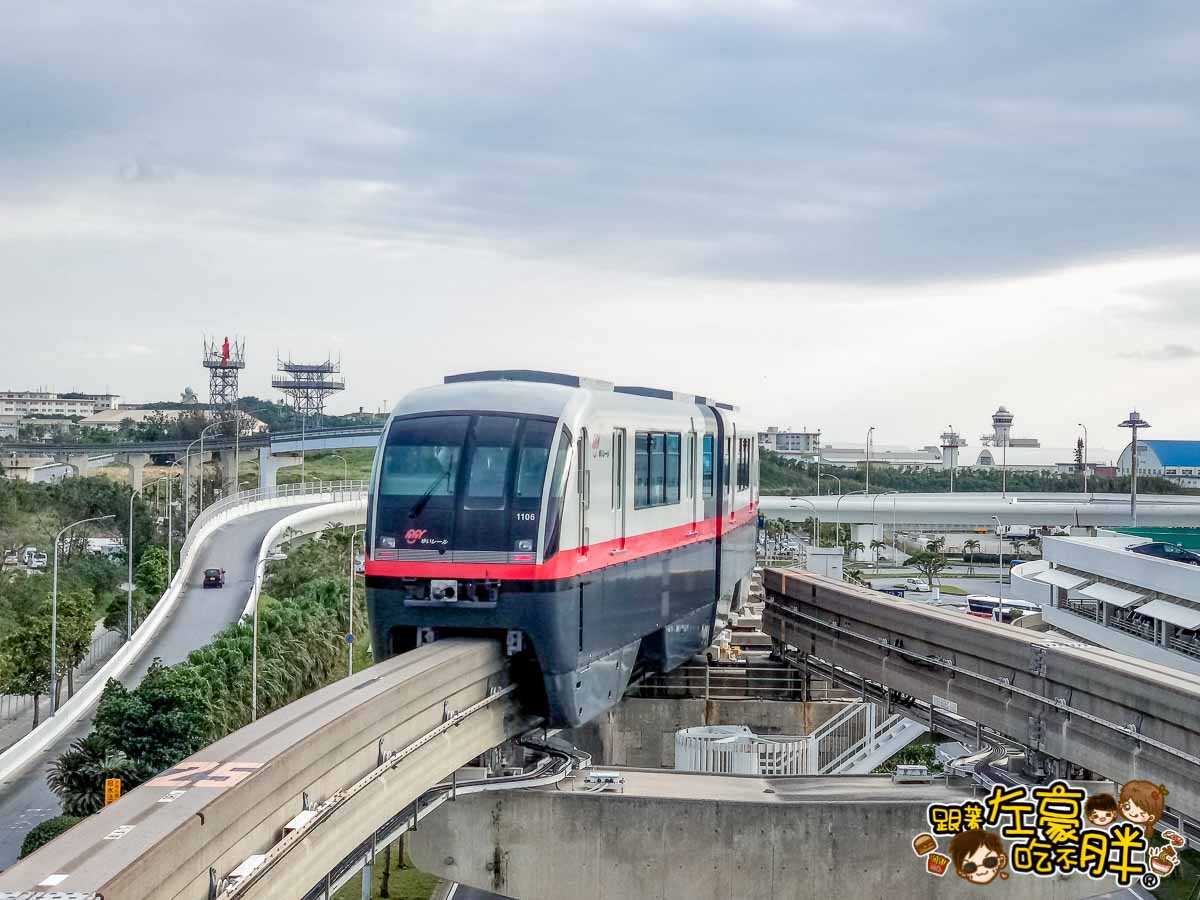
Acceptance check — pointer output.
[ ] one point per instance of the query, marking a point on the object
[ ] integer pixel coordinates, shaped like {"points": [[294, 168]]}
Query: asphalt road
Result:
{"points": [[25, 800], [462, 892]]}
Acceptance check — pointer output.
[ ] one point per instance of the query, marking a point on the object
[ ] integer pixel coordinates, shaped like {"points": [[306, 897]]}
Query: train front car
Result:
{"points": [[596, 530]]}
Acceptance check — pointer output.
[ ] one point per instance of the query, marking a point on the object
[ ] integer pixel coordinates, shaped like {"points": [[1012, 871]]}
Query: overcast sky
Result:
{"points": [[835, 215]]}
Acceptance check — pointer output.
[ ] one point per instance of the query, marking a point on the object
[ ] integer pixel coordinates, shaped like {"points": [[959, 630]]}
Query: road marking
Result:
{"points": [[171, 797], [52, 880], [219, 775], [117, 833]]}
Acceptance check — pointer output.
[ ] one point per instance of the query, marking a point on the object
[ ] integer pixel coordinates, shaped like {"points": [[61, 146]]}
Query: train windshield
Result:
{"points": [[463, 482]]}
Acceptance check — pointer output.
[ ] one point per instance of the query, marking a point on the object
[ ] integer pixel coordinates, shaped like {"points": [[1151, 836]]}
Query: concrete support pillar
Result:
{"points": [[1104, 608], [368, 878], [79, 462], [229, 469], [136, 463], [269, 466]]}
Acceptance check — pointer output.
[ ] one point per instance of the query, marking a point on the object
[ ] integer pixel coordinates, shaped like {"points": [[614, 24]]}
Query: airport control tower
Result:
{"points": [[1002, 421]]}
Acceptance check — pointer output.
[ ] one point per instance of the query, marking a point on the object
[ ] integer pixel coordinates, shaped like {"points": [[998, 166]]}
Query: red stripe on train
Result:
{"points": [[568, 563]]}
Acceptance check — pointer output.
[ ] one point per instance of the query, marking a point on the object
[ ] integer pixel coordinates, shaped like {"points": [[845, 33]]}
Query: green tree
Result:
{"points": [[928, 564], [75, 627], [853, 547], [27, 647], [876, 546], [151, 573], [970, 547], [936, 545], [161, 721], [44, 832]]}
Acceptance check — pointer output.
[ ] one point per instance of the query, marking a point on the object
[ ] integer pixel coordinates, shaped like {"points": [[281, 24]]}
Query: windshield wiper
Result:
{"points": [[420, 504]]}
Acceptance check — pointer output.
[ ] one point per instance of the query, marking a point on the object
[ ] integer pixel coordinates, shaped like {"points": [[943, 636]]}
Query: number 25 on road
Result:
{"points": [[204, 775]]}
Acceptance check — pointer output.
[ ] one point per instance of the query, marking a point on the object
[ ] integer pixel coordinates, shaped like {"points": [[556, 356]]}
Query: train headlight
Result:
{"points": [[525, 545]]}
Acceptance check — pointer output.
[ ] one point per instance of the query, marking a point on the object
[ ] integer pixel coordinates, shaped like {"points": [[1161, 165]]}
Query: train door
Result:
{"points": [[730, 463], [618, 488], [585, 490]]}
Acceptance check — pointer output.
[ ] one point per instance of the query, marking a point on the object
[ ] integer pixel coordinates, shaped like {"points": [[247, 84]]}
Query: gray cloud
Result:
{"points": [[1165, 353], [757, 141]]}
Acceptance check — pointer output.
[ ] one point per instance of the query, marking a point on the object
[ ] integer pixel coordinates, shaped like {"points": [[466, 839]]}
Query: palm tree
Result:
{"points": [[971, 546], [77, 777], [935, 545], [876, 546]]}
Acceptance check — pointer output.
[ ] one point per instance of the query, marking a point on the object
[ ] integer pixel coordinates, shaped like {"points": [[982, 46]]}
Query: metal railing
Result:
{"points": [[336, 491], [1139, 628], [734, 683], [842, 736]]}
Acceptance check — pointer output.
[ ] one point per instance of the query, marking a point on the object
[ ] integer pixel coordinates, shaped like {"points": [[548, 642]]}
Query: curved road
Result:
{"points": [[25, 800]]}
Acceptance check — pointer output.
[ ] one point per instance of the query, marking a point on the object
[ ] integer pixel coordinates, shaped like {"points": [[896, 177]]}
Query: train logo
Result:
{"points": [[413, 535]]}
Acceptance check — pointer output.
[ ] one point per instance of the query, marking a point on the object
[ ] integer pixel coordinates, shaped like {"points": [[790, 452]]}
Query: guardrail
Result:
{"points": [[733, 683], [228, 507]]}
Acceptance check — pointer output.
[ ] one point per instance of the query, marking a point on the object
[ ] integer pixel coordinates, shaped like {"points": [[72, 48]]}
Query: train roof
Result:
{"points": [[534, 376]]}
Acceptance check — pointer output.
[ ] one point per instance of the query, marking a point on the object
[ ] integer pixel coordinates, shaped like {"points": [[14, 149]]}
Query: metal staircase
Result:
{"points": [[853, 743]]}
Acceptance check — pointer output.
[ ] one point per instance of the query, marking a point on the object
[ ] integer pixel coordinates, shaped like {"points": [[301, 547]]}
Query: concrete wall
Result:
{"points": [[640, 732], [546, 845]]}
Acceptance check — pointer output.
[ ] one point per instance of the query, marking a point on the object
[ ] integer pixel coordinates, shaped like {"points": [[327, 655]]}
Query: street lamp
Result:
{"points": [[874, 500], [1085, 456], [350, 634], [870, 431], [200, 500], [54, 612], [170, 528], [838, 480], [818, 462], [1134, 422], [345, 466], [998, 615], [258, 575], [837, 514], [129, 581]]}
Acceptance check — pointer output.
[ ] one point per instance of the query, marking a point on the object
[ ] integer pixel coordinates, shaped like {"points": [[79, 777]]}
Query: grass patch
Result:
{"points": [[404, 883], [953, 591], [325, 467]]}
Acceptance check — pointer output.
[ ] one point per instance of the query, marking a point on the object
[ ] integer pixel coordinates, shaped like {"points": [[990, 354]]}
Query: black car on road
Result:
{"points": [[214, 578]]}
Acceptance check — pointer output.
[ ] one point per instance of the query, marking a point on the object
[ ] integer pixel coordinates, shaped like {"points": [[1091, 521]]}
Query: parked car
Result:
{"points": [[917, 584], [214, 578], [1173, 552]]}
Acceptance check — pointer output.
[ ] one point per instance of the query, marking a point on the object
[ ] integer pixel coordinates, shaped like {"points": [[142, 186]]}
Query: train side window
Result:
{"points": [[728, 461], [641, 470], [673, 442], [743, 464], [707, 465], [658, 468], [618, 476], [558, 490]]}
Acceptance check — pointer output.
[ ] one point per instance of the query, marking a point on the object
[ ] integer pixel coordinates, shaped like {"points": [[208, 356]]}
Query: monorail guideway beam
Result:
{"points": [[1113, 714], [426, 712]]}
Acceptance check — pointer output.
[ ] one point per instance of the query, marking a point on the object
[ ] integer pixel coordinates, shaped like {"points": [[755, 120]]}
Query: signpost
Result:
{"points": [[112, 790]]}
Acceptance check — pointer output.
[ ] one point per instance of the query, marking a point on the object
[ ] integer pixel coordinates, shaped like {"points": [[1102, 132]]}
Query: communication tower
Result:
{"points": [[951, 441], [308, 384], [224, 361]]}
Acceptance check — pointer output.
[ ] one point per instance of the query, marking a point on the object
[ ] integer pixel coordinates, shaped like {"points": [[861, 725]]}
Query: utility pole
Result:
{"points": [[1133, 423]]}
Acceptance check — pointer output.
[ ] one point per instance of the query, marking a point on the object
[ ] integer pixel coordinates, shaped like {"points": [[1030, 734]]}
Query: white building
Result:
{"points": [[1178, 461], [34, 469], [10, 428], [45, 403], [789, 443]]}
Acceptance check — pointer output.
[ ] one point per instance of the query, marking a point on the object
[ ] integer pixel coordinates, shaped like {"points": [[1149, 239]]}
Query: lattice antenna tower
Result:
{"points": [[224, 362], [308, 385]]}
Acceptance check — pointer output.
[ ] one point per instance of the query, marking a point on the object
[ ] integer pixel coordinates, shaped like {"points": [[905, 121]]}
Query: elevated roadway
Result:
{"points": [[355, 753], [192, 621], [974, 510], [1116, 715], [280, 442]]}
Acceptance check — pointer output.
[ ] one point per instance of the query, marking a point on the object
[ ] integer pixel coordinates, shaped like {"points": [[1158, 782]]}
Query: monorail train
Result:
{"points": [[596, 529]]}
